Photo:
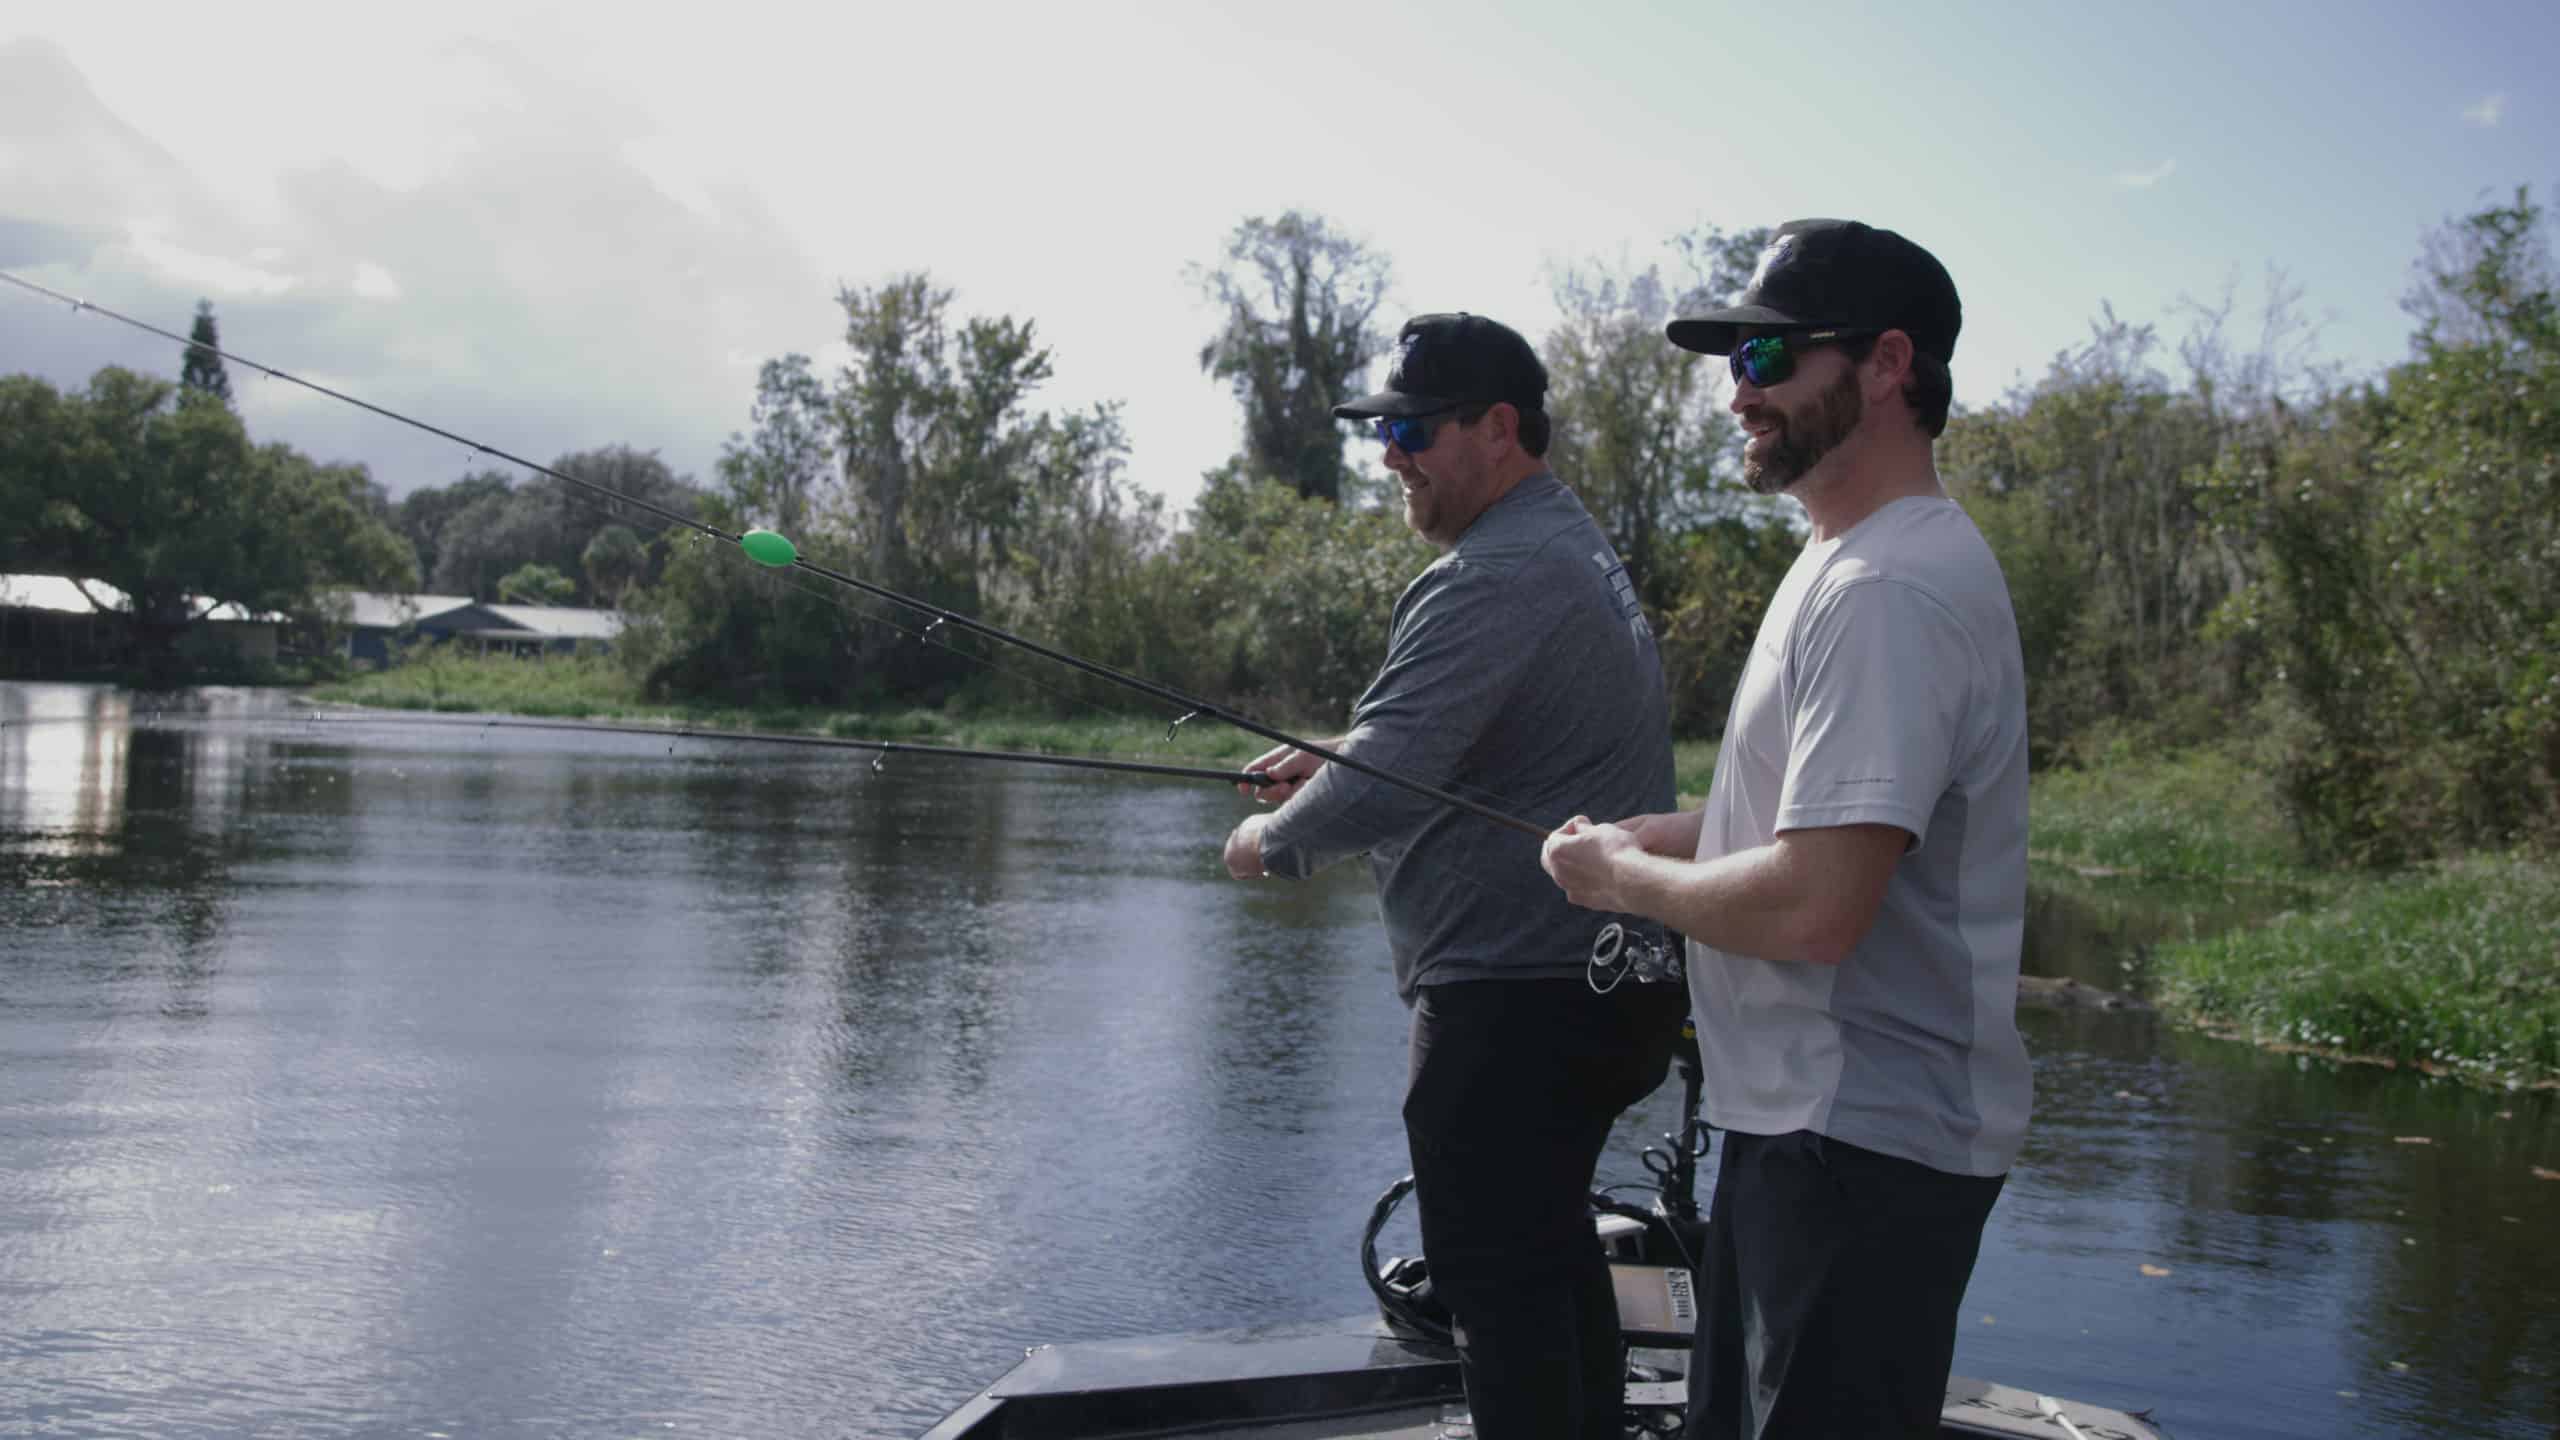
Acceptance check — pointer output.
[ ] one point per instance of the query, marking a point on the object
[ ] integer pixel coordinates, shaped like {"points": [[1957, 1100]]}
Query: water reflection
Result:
{"points": [[369, 1078], [2331, 1249], [2099, 930]]}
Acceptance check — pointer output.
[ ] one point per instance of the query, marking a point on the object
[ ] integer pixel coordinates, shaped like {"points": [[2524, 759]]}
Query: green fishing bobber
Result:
{"points": [[767, 548]]}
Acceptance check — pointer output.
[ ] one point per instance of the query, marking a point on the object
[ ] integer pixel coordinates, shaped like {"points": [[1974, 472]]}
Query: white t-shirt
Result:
{"points": [[1886, 687]]}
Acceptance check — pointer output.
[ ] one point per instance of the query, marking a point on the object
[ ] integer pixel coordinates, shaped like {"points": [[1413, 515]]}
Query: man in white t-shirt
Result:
{"points": [[1854, 888]]}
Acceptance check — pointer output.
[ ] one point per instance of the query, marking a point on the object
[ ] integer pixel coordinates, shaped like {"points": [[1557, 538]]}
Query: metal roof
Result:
{"points": [[560, 622], [386, 611], [60, 595], [57, 593]]}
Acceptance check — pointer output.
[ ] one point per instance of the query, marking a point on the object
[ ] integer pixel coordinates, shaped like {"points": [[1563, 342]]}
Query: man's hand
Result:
{"points": [[1288, 766], [1244, 848], [1674, 834], [1583, 857]]}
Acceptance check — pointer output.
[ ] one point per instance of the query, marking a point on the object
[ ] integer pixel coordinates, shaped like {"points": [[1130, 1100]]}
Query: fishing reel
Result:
{"points": [[1618, 954]]}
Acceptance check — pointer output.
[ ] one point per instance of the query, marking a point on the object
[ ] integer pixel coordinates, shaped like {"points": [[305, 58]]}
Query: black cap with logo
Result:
{"points": [[1836, 274], [1443, 362]]}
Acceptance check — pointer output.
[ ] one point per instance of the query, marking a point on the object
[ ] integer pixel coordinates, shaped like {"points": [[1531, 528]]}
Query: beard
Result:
{"points": [[1805, 436]]}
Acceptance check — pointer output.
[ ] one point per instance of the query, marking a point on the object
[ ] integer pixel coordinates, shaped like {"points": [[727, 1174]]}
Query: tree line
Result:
{"points": [[2359, 580], [927, 457], [2209, 536]]}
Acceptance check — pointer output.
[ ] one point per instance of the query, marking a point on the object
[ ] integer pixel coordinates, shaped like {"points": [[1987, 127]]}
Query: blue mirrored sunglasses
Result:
{"points": [[1766, 360], [1411, 434]]}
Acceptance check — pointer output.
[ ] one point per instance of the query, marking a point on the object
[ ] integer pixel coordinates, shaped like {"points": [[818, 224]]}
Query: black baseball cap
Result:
{"points": [[1836, 274], [1446, 361]]}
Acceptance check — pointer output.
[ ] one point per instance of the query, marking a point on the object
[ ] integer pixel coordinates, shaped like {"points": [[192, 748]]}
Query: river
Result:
{"points": [[365, 1080]]}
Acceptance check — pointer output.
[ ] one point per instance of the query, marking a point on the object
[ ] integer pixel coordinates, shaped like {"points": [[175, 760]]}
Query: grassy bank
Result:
{"points": [[573, 686], [2199, 815], [2451, 968], [594, 688]]}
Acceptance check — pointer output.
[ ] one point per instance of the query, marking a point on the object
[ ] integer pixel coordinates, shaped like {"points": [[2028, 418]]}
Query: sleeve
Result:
{"points": [[1460, 648], [1880, 678]]}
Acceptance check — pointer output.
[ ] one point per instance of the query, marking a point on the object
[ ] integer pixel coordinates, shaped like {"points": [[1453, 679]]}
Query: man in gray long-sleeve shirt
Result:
{"points": [[1520, 673]]}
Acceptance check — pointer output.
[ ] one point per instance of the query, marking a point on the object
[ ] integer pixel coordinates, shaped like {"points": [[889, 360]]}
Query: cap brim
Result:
{"points": [[1390, 405], [1718, 331]]}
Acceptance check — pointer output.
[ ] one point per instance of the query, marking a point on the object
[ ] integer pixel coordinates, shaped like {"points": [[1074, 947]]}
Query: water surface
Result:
{"points": [[384, 1080]]}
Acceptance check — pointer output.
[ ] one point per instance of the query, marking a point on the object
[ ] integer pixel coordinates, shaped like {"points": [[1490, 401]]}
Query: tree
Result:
{"points": [[203, 375], [1640, 431], [35, 437], [926, 458], [773, 472], [1643, 435], [614, 562], [484, 541], [1279, 599], [1723, 573], [544, 520], [1301, 302], [937, 437], [1720, 263], [422, 515], [889, 402], [173, 505], [2086, 486], [2411, 595], [536, 584], [2487, 278]]}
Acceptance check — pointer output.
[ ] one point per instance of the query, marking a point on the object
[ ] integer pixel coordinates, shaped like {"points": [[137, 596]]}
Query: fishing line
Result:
{"points": [[321, 719], [307, 724], [778, 552], [1376, 834], [924, 635], [603, 497]]}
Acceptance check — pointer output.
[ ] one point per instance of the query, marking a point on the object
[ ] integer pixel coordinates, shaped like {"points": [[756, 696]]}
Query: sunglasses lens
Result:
{"points": [[1764, 360], [1411, 434]]}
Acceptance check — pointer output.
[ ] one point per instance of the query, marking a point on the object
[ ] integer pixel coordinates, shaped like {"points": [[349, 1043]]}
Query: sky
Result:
{"points": [[551, 228]]}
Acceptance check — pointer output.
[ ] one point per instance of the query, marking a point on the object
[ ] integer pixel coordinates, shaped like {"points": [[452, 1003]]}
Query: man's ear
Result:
{"points": [[1888, 365]]}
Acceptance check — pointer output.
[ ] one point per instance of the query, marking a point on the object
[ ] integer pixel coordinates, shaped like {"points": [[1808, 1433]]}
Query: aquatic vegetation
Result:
{"points": [[2450, 967]]}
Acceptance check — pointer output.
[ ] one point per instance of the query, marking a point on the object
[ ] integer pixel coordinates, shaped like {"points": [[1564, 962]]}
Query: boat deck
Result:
{"points": [[1351, 1380]]}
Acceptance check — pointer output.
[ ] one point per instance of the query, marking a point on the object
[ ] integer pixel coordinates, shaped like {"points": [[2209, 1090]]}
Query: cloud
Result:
{"points": [[147, 241], [518, 289], [2145, 179], [26, 244], [677, 172], [2487, 111]]}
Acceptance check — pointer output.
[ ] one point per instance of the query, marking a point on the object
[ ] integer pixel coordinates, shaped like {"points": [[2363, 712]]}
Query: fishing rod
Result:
{"points": [[320, 719], [775, 551]]}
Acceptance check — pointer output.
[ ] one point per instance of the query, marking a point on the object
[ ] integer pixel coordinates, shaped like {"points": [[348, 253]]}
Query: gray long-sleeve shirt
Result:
{"points": [[1521, 674]]}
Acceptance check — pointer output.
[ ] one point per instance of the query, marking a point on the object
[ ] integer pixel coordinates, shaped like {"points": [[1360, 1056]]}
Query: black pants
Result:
{"points": [[1514, 1086], [1834, 1277]]}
